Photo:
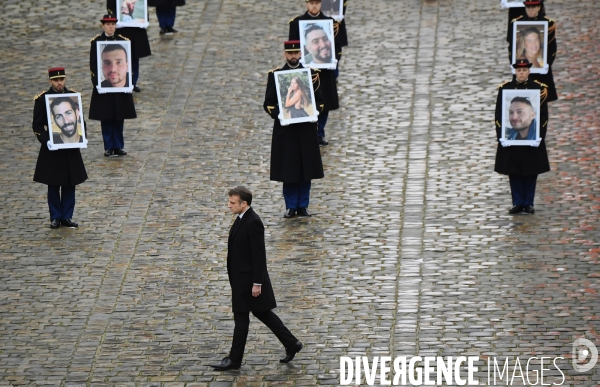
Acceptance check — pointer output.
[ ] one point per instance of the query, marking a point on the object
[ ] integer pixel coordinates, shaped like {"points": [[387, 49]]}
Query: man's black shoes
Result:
{"points": [[322, 141], [227, 364], [119, 152], [528, 210], [108, 153], [289, 213], [515, 210], [69, 223], [291, 353], [55, 223], [303, 212], [136, 89]]}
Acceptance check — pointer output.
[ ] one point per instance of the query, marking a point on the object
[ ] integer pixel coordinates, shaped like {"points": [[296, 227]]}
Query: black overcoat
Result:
{"points": [[109, 106], [166, 3], [295, 153], [327, 77], [62, 167], [522, 160], [140, 45], [547, 79], [247, 265]]}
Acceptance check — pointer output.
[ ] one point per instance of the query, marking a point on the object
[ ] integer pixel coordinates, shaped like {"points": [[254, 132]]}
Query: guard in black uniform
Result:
{"points": [[534, 11], [522, 164], [111, 109], [295, 154], [61, 170], [140, 45], [327, 77]]}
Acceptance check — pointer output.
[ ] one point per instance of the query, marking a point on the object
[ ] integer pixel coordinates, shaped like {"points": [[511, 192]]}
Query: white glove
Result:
{"points": [[99, 90], [544, 69], [537, 143], [504, 142], [145, 25], [51, 146]]}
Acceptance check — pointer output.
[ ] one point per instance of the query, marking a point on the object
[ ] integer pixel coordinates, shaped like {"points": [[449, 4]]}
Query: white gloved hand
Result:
{"points": [[100, 90], [537, 143], [504, 143], [51, 146]]}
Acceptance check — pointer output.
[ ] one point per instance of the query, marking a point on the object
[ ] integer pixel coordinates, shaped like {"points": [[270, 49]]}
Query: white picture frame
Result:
{"points": [[132, 13], [66, 125], [109, 61], [303, 110], [314, 34], [333, 8], [519, 46], [511, 3], [508, 98]]}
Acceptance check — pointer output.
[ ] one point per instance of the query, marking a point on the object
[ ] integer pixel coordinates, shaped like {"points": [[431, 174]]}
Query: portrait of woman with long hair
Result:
{"points": [[297, 97], [530, 47]]}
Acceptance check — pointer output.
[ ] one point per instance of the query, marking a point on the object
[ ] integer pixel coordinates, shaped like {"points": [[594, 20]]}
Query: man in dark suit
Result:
{"points": [[251, 288]]}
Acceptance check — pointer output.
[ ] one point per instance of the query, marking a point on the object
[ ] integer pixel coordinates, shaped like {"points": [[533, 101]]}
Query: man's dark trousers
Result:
{"points": [[61, 206], [112, 134], [522, 189], [240, 332]]}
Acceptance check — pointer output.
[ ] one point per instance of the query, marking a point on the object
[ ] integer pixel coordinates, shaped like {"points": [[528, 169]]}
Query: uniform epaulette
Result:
{"points": [[126, 38], [540, 83], [73, 91], [92, 39], [272, 71], [547, 18], [292, 19], [515, 19], [39, 95], [502, 84]]}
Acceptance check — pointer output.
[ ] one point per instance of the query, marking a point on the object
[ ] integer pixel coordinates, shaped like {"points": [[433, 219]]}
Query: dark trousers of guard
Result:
{"points": [[112, 134], [240, 332], [61, 201], [166, 16], [522, 189], [296, 195]]}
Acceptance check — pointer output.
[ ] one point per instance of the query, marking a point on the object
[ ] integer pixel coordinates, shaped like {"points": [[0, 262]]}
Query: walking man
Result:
{"points": [[250, 284]]}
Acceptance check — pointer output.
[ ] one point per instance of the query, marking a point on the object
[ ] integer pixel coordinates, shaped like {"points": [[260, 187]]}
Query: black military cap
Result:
{"points": [[109, 18], [521, 63], [291, 45], [56, 72]]}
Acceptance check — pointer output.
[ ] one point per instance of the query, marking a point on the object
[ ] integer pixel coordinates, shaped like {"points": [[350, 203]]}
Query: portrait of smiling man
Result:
{"points": [[65, 113], [115, 66], [317, 44]]}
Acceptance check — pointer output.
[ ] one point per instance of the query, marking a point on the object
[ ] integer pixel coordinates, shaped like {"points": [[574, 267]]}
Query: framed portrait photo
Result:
{"points": [[318, 45], [530, 41], [511, 3], [333, 8], [296, 96], [114, 66], [132, 13], [521, 116], [65, 121]]}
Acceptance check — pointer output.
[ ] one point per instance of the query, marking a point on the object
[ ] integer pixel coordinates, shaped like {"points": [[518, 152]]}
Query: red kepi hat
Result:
{"points": [[521, 63], [108, 18], [56, 72], [533, 2], [291, 45]]}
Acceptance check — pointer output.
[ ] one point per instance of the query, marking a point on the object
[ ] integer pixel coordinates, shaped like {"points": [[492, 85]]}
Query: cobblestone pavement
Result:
{"points": [[410, 252]]}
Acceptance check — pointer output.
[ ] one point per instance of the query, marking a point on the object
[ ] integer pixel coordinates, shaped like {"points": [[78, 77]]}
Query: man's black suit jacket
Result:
{"points": [[247, 265]]}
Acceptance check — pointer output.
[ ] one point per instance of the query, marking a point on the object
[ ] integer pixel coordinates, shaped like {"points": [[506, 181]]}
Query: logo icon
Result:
{"points": [[580, 355]]}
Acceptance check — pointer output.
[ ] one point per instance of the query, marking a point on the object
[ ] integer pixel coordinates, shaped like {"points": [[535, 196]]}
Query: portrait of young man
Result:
{"points": [[65, 112], [115, 66], [318, 46]]}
